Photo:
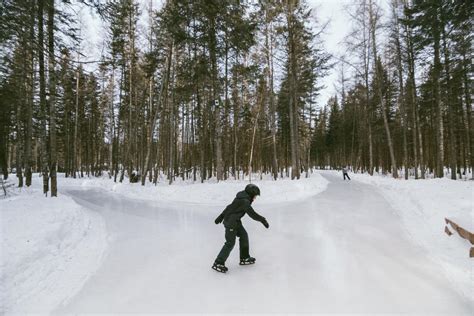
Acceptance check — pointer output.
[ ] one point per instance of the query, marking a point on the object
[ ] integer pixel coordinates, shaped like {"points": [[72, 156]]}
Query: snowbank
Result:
{"points": [[210, 192], [48, 248], [423, 205]]}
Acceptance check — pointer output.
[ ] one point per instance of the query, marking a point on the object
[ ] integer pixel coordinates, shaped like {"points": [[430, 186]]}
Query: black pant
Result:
{"points": [[230, 234], [346, 175]]}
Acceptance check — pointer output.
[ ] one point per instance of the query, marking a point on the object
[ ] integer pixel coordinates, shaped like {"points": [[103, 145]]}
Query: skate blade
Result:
{"points": [[219, 270], [246, 263]]}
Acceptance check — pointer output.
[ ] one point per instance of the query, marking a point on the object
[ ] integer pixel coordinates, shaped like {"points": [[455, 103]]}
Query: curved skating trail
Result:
{"points": [[344, 250]]}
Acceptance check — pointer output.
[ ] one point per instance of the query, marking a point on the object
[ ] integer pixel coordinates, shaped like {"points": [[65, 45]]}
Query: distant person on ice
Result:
{"points": [[233, 227], [344, 173]]}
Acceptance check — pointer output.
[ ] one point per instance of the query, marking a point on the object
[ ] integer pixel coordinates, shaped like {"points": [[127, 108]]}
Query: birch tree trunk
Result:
{"points": [[43, 105], [467, 113], [438, 104], [292, 106], [401, 101], [269, 56], [30, 96], [449, 100], [52, 100], [379, 75], [76, 125], [215, 98]]}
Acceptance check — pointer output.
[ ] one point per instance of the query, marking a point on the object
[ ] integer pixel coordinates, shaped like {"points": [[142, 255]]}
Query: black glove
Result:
{"points": [[219, 219], [265, 223]]}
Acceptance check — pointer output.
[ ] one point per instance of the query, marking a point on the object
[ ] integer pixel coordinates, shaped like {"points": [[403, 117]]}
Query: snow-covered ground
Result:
{"points": [[423, 206], [332, 246], [48, 249]]}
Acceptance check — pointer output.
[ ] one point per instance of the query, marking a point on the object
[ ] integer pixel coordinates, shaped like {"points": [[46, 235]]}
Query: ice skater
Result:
{"points": [[234, 228], [345, 173]]}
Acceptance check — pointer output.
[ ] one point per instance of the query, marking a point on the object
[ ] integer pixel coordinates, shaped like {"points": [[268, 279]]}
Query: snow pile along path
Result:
{"points": [[48, 249], [423, 205], [211, 192]]}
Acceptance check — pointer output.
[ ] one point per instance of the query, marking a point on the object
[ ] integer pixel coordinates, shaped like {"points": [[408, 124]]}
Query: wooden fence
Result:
{"points": [[462, 232]]}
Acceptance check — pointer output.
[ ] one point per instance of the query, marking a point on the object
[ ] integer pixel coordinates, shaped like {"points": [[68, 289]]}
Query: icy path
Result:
{"points": [[343, 250]]}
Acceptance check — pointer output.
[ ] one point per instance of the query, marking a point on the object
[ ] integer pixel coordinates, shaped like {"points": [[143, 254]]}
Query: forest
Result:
{"points": [[227, 88]]}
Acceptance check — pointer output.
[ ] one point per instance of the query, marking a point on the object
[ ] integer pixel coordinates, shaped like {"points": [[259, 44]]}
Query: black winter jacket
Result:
{"points": [[237, 209]]}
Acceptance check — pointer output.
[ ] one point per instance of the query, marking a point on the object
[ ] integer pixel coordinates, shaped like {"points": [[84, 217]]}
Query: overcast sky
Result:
{"points": [[337, 29], [93, 32], [337, 12]]}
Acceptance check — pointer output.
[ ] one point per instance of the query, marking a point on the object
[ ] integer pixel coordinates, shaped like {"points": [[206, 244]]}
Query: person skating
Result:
{"points": [[344, 173], [231, 216]]}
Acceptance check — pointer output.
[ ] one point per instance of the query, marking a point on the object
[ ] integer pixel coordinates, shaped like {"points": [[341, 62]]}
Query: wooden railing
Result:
{"points": [[464, 233]]}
